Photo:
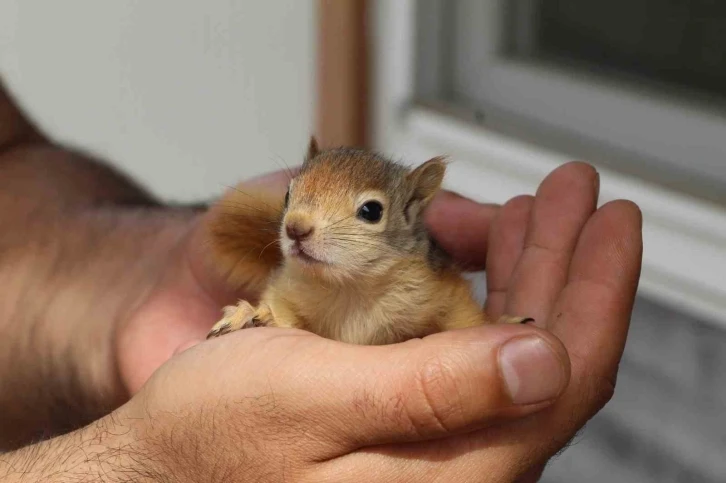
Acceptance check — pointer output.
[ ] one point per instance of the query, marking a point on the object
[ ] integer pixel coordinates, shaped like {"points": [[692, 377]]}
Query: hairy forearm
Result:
{"points": [[80, 246], [70, 280], [107, 451]]}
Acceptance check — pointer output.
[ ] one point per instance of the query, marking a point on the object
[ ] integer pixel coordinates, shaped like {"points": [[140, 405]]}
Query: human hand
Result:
{"points": [[279, 405], [576, 268], [361, 416], [287, 405]]}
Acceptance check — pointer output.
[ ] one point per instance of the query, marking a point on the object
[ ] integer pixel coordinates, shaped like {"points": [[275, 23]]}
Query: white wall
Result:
{"points": [[188, 96]]}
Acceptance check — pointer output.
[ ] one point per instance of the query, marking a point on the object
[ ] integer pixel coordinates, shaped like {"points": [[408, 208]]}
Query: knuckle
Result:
{"points": [[440, 405]]}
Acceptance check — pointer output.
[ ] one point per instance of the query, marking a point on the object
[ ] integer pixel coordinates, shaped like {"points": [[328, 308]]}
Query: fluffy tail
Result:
{"points": [[244, 229]]}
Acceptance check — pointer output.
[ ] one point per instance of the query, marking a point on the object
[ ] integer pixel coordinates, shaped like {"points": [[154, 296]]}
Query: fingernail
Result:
{"points": [[532, 371]]}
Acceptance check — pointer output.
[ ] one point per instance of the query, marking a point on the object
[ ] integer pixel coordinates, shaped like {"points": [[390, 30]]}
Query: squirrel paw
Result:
{"points": [[235, 318], [261, 318], [510, 319]]}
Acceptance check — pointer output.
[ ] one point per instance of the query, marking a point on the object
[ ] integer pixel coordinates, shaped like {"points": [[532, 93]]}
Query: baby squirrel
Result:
{"points": [[354, 263]]}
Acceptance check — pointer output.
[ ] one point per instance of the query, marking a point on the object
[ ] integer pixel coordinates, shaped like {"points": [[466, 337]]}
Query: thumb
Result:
{"points": [[448, 383], [461, 226]]}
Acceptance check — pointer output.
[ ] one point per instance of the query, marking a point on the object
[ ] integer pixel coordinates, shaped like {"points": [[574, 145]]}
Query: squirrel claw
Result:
{"points": [[509, 319], [254, 322], [219, 329], [234, 318]]}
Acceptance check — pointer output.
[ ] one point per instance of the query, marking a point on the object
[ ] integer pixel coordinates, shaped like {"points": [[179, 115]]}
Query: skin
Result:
{"points": [[148, 402]]}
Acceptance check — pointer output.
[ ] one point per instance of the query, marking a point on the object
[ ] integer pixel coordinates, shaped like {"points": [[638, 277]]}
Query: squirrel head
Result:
{"points": [[350, 212]]}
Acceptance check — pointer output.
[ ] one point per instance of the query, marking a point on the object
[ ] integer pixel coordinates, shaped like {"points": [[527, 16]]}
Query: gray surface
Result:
{"points": [[666, 421]]}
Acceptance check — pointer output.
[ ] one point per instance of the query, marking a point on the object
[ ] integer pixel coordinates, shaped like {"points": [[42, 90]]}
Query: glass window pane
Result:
{"points": [[677, 42]]}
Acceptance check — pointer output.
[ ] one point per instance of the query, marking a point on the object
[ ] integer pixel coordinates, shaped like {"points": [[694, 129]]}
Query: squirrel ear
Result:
{"points": [[313, 149], [426, 179]]}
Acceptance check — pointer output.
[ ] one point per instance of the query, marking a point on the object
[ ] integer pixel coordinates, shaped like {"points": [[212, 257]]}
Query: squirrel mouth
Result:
{"points": [[299, 252]]}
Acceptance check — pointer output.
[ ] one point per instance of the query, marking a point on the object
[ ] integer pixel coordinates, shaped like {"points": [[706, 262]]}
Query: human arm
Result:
{"points": [[276, 405], [613, 254], [80, 245]]}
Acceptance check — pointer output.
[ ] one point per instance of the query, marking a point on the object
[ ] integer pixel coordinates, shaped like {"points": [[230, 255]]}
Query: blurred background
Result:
{"points": [[190, 97]]}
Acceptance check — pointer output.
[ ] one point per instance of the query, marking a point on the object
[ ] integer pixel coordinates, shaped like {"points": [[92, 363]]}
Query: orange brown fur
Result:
{"points": [[244, 233], [376, 280]]}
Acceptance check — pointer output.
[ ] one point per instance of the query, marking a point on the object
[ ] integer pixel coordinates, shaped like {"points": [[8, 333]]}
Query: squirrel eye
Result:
{"points": [[287, 197], [371, 211]]}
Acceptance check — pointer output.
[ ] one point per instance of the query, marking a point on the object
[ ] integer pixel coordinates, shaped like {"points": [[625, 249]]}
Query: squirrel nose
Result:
{"points": [[298, 232]]}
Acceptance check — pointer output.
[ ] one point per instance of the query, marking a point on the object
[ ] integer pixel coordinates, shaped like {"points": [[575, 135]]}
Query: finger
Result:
{"points": [[506, 242], [441, 385], [591, 318], [461, 227], [593, 313], [564, 202]]}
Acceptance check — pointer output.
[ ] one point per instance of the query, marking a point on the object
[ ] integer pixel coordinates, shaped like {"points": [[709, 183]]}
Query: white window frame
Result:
{"points": [[649, 125], [684, 261]]}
